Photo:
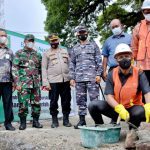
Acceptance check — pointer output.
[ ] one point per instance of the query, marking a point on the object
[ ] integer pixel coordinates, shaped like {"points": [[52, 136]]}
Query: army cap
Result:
{"points": [[81, 28], [29, 37], [53, 36]]}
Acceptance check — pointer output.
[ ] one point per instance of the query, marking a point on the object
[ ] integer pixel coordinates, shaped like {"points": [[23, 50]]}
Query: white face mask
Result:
{"points": [[117, 31], [3, 40], [30, 45], [147, 17]]}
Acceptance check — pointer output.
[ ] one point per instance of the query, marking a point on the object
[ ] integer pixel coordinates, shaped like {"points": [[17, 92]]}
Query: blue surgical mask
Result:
{"points": [[117, 31]]}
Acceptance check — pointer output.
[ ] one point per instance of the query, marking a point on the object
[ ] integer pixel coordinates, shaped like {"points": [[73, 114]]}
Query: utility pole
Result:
{"points": [[2, 14]]}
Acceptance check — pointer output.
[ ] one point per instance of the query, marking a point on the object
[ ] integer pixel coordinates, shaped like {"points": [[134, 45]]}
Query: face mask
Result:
{"points": [[82, 37], [30, 45], [117, 31], [3, 40], [54, 45], [125, 63], [147, 17]]}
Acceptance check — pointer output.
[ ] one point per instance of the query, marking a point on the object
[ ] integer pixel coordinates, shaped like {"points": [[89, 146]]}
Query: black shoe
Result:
{"points": [[81, 122], [36, 123], [9, 127], [55, 122], [22, 123], [66, 122]]}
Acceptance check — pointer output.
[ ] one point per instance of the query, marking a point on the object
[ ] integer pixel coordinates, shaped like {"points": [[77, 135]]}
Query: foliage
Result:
{"points": [[128, 11], [64, 15]]}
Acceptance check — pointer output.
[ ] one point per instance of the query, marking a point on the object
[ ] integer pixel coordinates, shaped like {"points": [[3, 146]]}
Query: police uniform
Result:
{"points": [[55, 73]]}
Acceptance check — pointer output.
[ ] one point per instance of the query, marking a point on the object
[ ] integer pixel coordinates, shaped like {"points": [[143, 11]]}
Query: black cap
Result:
{"points": [[29, 37], [81, 28]]}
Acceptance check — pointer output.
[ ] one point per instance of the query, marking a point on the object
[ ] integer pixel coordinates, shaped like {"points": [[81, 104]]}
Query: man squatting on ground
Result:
{"points": [[124, 87]]}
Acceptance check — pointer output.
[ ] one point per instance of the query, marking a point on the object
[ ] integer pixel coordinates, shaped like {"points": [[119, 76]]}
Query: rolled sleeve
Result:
{"points": [[72, 65], [45, 81], [143, 83], [105, 50], [135, 41]]}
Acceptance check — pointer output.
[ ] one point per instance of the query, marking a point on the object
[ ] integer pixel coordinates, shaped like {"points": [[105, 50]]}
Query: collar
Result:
{"points": [[27, 50], [147, 22], [130, 72], [4, 47], [87, 43], [118, 36]]}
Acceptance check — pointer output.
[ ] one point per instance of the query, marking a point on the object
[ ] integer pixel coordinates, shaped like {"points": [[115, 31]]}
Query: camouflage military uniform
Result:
{"points": [[27, 74], [85, 65]]}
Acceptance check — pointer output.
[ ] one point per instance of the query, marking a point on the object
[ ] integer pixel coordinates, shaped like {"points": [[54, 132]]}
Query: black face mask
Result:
{"points": [[54, 45], [125, 63], [82, 37]]}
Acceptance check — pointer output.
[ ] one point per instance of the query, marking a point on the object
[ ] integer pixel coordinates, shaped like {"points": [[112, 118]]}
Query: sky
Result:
{"points": [[25, 16]]}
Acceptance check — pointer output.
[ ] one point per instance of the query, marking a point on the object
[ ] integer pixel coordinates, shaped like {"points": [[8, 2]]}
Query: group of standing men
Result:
{"points": [[56, 71]]}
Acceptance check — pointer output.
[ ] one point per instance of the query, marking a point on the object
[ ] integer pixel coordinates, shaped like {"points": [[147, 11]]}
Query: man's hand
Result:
{"points": [[147, 112], [72, 83], [98, 79], [13, 87], [123, 113], [18, 88], [46, 88], [104, 76]]}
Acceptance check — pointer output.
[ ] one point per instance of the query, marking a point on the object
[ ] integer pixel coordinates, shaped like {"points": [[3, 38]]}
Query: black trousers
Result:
{"points": [[6, 95], [63, 90], [99, 108]]}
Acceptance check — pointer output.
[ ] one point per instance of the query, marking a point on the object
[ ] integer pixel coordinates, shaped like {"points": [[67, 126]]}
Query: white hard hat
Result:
{"points": [[122, 48], [146, 4]]}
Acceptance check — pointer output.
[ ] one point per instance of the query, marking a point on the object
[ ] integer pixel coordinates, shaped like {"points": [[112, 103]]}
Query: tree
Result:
{"points": [[128, 11], [64, 15]]}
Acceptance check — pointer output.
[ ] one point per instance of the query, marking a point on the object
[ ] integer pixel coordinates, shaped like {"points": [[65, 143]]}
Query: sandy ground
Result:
{"points": [[61, 138]]}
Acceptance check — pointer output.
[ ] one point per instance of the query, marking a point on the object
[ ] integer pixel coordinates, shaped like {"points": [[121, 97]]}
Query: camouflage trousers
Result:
{"points": [[81, 95], [29, 96]]}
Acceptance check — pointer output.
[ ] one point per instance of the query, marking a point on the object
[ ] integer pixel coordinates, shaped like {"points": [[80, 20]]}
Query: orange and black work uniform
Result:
{"points": [[127, 91]]}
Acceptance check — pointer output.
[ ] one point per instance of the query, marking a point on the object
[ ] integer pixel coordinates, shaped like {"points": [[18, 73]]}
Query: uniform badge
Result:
{"points": [[26, 64], [7, 56]]}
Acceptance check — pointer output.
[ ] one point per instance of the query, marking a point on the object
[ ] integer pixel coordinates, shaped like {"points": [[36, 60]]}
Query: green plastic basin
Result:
{"points": [[92, 137]]}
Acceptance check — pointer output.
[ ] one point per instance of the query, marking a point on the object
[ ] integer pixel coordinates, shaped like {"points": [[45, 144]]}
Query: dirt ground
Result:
{"points": [[61, 138]]}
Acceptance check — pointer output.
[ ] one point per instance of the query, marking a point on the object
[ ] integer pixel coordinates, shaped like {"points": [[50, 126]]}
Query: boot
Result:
{"points": [[55, 122], [66, 122], [81, 122], [36, 123], [22, 123]]}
